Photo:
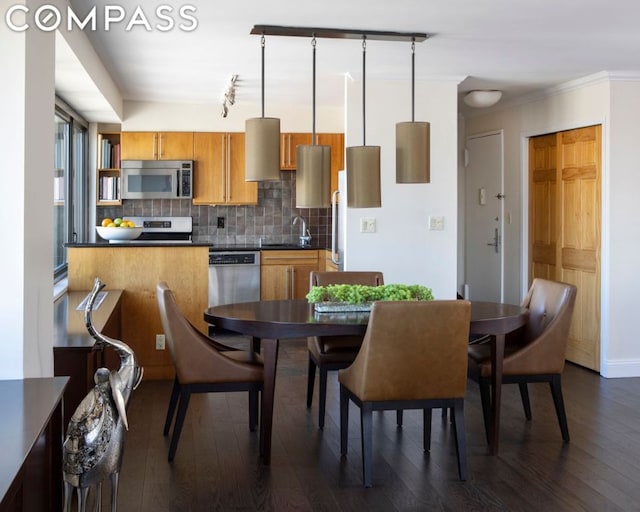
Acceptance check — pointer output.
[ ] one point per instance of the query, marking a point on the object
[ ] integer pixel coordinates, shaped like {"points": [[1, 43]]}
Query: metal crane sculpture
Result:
{"points": [[94, 444]]}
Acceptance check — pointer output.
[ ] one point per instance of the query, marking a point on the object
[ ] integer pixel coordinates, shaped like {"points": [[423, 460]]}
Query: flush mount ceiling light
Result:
{"points": [[482, 99], [262, 142], [313, 173], [413, 145]]}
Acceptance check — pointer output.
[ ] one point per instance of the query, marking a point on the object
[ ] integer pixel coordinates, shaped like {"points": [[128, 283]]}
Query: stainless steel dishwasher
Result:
{"points": [[234, 276]]}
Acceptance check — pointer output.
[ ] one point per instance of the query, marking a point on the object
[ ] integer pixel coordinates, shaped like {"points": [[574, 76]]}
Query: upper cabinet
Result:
{"points": [[157, 145], [219, 176], [288, 143], [336, 141]]}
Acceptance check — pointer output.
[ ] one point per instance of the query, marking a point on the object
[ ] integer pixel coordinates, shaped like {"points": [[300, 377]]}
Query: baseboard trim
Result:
{"points": [[621, 368]]}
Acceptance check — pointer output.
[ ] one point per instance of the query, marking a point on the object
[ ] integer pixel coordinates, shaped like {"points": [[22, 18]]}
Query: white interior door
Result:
{"points": [[483, 218]]}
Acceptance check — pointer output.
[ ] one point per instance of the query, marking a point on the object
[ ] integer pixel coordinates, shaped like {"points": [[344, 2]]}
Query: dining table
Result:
{"points": [[268, 322]]}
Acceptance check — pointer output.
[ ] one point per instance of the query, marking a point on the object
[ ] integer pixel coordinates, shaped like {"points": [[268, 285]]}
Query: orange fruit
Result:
{"points": [[106, 221]]}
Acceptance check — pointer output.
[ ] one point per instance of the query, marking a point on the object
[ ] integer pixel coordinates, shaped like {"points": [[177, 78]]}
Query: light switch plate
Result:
{"points": [[436, 223], [367, 225]]}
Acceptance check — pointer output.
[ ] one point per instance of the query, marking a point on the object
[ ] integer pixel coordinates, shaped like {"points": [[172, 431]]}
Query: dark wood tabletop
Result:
{"points": [[297, 318], [274, 320]]}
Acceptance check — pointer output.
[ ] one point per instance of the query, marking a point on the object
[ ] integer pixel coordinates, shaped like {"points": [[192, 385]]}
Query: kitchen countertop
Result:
{"points": [[237, 247], [266, 247], [70, 330], [138, 244]]}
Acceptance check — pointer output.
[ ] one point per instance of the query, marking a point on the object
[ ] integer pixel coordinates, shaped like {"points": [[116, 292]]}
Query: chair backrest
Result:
{"points": [[546, 333], [346, 277], [195, 358], [412, 350]]}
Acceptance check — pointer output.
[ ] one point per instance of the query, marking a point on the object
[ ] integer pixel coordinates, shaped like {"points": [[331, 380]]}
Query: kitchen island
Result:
{"points": [[136, 269]]}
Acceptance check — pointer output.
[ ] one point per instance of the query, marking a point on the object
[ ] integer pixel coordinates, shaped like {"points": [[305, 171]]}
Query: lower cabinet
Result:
{"points": [[285, 274]]}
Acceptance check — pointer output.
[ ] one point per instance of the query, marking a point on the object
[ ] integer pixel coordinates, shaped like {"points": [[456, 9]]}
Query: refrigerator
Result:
{"points": [[339, 222]]}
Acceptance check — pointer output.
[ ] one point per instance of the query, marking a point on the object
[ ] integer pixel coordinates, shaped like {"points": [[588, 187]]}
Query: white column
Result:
{"points": [[26, 144]]}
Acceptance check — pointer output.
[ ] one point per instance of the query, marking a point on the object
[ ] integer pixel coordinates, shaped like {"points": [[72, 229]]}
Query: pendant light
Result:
{"points": [[313, 172], [413, 147], [363, 162], [262, 143]]}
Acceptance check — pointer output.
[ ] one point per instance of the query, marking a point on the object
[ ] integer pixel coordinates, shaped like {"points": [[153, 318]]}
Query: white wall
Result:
{"points": [[152, 116], [26, 135], [402, 247], [579, 104], [622, 232], [599, 99]]}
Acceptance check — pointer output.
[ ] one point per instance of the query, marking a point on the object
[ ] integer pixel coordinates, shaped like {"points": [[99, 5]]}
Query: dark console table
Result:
{"points": [[31, 436]]}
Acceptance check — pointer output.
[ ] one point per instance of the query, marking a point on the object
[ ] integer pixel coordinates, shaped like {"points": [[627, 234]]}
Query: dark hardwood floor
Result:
{"points": [[217, 466]]}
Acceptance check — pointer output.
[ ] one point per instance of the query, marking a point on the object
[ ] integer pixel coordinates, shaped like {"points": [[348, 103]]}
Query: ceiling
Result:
{"points": [[518, 47]]}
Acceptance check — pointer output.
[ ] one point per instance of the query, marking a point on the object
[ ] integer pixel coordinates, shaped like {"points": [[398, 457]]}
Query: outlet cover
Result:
{"points": [[367, 225], [436, 223], [159, 341]]}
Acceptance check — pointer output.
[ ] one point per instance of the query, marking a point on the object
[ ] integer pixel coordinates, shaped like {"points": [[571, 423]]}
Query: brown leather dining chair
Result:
{"points": [[534, 353], [413, 356], [333, 352], [203, 366]]}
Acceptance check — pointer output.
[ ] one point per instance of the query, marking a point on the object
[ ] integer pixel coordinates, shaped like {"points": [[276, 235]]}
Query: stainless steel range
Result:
{"points": [[169, 230]]}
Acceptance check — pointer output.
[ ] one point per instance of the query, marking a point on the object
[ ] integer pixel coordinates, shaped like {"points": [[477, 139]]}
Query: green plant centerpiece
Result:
{"points": [[358, 297]]}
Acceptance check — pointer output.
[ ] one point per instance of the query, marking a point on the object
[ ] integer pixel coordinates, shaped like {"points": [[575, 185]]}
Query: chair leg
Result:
{"points": [[253, 410], [185, 395], [344, 420], [485, 397], [366, 425], [524, 395], [310, 382], [426, 429], [558, 401], [322, 391], [399, 417], [175, 392], [461, 445]]}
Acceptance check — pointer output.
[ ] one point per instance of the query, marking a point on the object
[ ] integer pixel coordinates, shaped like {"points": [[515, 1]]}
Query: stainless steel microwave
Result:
{"points": [[157, 179]]}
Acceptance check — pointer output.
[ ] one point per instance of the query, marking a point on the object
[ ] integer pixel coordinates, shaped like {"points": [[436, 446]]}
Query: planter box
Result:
{"points": [[340, 307]]}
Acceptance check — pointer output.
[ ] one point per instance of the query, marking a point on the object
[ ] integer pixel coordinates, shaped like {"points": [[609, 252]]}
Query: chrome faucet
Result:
{"points": [[305, 235]]}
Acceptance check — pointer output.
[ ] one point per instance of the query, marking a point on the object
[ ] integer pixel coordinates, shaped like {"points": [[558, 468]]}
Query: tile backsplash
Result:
{"points": [[270, 220]]}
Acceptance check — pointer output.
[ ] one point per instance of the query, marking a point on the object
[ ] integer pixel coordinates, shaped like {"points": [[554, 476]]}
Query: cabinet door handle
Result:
{"points": [[292, 294], [154, 146], [228, 169], [222, 154], [288, 291], [160, 148]]}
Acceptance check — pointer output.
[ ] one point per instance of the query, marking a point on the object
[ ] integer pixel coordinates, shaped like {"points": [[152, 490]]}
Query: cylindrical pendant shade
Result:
{"points": [[363, 177], [413, 153], [313, 176], [262, 149]]}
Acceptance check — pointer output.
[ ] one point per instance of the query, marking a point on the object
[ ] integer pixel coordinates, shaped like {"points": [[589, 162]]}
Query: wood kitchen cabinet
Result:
{"points": [[219, 176], [285, 274], [288, 143], [336, 141], [157, 145]]}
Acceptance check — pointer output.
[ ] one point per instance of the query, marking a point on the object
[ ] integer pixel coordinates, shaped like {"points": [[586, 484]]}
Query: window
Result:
{"points": [[70, 189]]}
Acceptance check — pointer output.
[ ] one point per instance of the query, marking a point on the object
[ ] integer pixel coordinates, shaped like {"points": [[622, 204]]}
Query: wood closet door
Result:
{"points": [[542, 206], [578, 251], [565, 227]]}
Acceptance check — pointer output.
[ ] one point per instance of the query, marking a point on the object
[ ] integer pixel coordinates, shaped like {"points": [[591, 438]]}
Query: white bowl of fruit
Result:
{"points": [[118, 230]]}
